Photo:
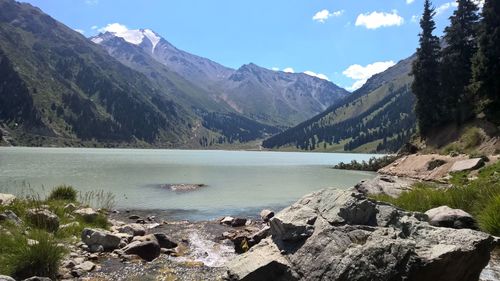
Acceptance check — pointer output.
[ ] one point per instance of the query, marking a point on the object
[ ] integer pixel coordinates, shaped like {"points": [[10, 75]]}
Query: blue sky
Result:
{"points": [[347, 43]]}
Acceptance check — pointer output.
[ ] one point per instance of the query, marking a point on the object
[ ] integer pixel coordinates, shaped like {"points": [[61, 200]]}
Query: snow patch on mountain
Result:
{"points": [[152, 37]]}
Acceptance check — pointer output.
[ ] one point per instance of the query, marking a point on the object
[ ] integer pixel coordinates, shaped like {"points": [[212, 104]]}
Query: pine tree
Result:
{"points": [[456, 61], [426, 75], [486, 63]]}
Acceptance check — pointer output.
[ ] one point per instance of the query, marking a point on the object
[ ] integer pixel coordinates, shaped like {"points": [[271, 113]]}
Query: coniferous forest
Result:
{"points": [[459, 81]]}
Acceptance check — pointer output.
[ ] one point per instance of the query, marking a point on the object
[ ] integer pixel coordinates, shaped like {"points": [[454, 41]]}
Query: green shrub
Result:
{"points": [[489, 218], [373, 164], [21, 260], [471, 138], [435, 163], [64, 193]]}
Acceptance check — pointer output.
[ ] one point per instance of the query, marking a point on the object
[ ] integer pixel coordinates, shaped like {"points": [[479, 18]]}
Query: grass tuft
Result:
{"points": [[63, 193]]}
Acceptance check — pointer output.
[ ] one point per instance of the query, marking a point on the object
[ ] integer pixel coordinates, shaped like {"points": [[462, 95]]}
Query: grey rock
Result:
{"points": [[133, 229], [6, 278], [69, 225], [266, 215], [467, 165], [6, 199], [101, 237], [147, 250], [385, 184], [88, 214], [445, 216], [356, 238], [8, 215], [266, 264], [70, 207], [36, 278], [237, 222], [227, 220], [43, 218], [164, 241], [85, 266], [134, 217]]}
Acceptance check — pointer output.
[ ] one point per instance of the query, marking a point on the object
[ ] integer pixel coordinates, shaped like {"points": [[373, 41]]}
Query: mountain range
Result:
{"points": [[59, 88], [378, 117], [134, 88]]}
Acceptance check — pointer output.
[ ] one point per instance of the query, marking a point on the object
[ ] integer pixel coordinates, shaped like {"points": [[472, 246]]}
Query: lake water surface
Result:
{"points": [[238, 182]]}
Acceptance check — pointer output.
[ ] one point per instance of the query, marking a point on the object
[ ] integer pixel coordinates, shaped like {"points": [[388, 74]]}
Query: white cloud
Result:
{"points": [[288, 70], [324, 14], [375, 20], [444, 7], [94, 27], [362, 73], [275, 68], [409, 1], [415, 19], [120, 30], [81, 31], [318, 75]]}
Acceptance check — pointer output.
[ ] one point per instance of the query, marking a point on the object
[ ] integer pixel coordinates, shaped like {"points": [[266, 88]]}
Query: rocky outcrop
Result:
{"points": [[43, 218], [445, 216], [342, 235], [385, 184], [6, 278], [98, 237]]}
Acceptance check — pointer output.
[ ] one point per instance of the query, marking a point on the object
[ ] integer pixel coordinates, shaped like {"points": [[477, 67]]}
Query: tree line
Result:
{"points": [[458, 78]]}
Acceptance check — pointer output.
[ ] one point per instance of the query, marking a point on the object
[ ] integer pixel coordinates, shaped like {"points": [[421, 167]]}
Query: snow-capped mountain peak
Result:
{"points": [[133, 36]]}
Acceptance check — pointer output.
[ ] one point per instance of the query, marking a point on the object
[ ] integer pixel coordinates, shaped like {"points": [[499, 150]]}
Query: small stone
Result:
{"points": [[70, 207], [6, 199], [227, 220], [164, 241], [85, 266], [88, 214], [266, 215], [36, 278], [237, 222]]}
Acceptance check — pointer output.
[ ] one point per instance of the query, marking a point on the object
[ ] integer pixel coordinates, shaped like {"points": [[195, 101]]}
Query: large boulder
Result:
{"points": [[6, 278], [146, 247], [98, 237], [43, 218], [467, 165], [164, 241], [342, 235], [445, 216], [6, 199], [385, 184], [266, 264]]}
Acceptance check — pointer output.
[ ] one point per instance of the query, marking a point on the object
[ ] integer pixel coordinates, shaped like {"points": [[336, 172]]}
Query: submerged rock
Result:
{"points": [[445, 216], [342, 235]]}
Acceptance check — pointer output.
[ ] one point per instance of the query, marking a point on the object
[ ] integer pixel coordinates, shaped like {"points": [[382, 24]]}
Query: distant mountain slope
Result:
{"points": [[274, 98], [55, 83], [377, 117]]}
